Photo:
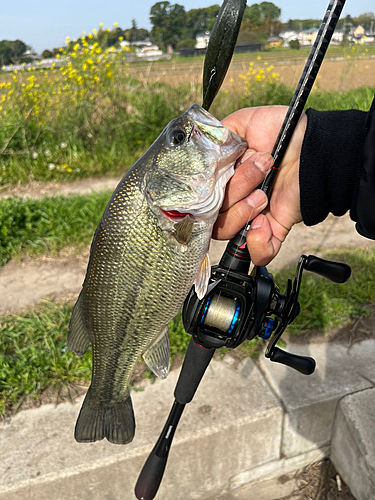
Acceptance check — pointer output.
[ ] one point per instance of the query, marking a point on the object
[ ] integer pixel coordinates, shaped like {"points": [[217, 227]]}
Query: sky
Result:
{"points": [[44, 24]]}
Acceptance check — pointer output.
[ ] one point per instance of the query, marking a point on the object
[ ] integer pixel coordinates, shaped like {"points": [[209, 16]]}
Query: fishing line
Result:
{"points": [[213, 73], [299, 99]]}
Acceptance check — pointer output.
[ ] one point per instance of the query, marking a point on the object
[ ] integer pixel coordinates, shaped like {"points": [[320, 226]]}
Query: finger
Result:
{"points": [[233, 220], [249, 174], [261, 241]]}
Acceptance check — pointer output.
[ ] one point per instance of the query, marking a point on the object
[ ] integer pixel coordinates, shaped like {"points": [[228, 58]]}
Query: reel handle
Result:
{"points": [[333, 271], [303, 364]]}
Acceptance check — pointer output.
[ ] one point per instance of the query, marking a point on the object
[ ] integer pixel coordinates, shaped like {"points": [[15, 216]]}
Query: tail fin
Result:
{"points": [[114, 421]]}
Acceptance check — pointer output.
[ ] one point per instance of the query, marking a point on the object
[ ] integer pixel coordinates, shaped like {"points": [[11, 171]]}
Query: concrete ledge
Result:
{"points": [[353, 443], [310, 401], [244, 425], [221, 433]]}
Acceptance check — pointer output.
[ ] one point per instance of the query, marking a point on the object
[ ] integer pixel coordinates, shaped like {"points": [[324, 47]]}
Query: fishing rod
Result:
{"points": [[238, 306]]}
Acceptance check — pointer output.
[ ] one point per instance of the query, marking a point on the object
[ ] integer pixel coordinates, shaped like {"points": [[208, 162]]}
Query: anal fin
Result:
{"points": [[78, 338], [157, 356]]}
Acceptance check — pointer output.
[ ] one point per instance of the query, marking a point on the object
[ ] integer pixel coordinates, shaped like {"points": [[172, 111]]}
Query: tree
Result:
{"points": [[167, 22], [260, 20], [294, 44], [253, 14], [366, 20], [200, 20], [270, 12], [12, 52], [46, 54], [188, 43]]}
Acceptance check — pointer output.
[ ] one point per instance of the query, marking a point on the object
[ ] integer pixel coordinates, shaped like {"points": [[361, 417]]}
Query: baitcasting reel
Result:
{"points": [[239, 307]]}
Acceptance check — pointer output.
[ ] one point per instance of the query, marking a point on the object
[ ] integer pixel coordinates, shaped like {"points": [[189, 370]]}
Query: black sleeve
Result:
{"points": [[363, 207], [331, 163]]}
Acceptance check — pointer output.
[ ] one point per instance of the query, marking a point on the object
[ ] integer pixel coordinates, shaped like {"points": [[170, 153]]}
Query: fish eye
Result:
{"points": [[177, 136]]}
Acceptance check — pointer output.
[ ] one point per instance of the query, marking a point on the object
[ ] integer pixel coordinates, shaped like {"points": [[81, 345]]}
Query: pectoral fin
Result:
{"points": [[157, 356], [182, 230], [203, 276]]}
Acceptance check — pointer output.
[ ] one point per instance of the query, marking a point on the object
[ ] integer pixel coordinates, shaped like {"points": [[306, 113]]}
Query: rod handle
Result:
{"points": [[195, 364]]}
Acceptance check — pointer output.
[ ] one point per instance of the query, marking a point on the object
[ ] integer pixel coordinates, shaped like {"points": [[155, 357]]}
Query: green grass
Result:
{"points": [[34, 227], [360, 98], [33, 354]]}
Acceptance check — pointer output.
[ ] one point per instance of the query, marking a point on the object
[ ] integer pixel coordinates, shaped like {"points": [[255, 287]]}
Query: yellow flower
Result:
{"points": [[101, 25], [69, 170], [259, 58], [115, 24], [121, 38], [95, 32], [64, 165]]}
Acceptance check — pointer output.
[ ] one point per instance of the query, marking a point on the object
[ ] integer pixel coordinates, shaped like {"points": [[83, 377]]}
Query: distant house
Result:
{"points": [[359, 35], [358, 32], [308, 36], [144, 48], [337, 37], [274, 41], [201, 40]]}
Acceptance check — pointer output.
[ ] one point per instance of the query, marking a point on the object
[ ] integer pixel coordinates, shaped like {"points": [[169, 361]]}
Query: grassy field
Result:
{"points": [[46, 225], [33, 354], [342, 69], [98, 114]]}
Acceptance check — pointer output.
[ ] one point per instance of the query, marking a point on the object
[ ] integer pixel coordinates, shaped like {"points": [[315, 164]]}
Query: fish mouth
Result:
{"points": [[176, 216]]}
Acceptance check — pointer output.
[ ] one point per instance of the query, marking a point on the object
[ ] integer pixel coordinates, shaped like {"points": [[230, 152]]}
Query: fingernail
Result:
{"points": [[246, 156], [256, 199], [257, 223], [264, 162]]}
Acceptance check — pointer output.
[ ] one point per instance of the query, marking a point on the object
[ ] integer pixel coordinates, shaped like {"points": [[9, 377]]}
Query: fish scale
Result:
{"points": [[143, 263]]}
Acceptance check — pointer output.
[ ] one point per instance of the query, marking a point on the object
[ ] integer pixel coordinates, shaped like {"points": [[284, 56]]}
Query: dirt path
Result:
{"points": [[53, 188], [25, 283]]}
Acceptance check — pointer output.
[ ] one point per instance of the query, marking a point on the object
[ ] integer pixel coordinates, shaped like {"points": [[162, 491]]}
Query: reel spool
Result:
{"points": [[221, 313]]}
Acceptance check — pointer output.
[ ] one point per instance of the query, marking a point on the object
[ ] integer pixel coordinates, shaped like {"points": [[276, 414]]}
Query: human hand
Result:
{"points": [[260, 126]]}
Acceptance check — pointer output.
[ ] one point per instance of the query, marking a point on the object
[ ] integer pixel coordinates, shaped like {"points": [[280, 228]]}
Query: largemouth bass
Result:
{"points": [[149, 248]]}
